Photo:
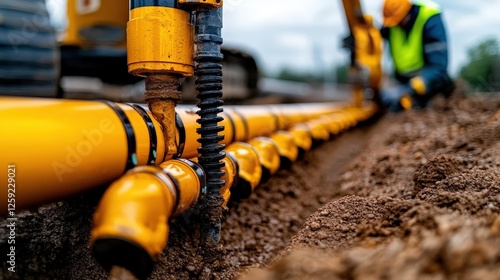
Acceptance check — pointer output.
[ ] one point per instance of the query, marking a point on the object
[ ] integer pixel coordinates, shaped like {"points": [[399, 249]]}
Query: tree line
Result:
{"points": [[481, 71]]}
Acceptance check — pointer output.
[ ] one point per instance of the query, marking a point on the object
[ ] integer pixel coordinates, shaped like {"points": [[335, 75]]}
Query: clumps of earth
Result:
{"points": [[423, 202]]}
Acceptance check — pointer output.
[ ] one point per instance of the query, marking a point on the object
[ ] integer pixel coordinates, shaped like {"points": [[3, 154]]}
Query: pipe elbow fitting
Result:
{"points": [[319, 132], [126, 230], [250, 170], [302, 137], [269, 156], [287, 148]]}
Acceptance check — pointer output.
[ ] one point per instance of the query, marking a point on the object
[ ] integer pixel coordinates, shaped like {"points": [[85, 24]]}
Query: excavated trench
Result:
{"points": [[413, 196]]}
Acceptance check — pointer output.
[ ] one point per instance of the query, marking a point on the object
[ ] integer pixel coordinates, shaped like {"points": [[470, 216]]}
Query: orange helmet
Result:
{"points": [[395, 11]]}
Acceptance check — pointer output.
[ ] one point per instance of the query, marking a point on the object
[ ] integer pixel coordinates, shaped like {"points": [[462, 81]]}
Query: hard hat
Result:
{"points": [[395, 11]]}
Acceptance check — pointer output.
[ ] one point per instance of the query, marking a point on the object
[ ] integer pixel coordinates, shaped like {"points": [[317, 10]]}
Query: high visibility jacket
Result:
{"points": [[407, 49]]}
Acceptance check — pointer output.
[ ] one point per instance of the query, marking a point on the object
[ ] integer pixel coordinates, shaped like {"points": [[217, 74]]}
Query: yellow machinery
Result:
{"points": [[95, 23], [365, 45], [95, 44], [95, 40]]}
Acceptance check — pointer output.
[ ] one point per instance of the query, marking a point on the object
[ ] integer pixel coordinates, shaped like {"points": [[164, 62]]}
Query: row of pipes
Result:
{"points": [[63, 147]]}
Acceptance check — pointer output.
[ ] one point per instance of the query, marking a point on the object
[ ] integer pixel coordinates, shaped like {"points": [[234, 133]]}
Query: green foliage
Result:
{"points": [[299, 76], [482, 71], [341, 72], [337, 73]]}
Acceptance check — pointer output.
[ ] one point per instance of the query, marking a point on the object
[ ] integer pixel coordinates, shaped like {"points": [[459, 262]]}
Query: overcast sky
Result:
{"points": [[307, 34]]}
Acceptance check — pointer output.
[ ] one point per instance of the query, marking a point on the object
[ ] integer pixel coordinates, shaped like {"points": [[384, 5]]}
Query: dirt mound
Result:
{"points": [[435, 170], [424, 204], [461, 249], [355, 220], [470, 192]]}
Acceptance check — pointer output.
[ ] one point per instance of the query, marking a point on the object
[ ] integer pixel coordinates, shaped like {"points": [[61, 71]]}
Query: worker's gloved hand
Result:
{"points": [[391, 97]]}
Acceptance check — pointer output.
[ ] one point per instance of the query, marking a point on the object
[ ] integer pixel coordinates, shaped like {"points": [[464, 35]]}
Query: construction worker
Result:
{"points": [[419, 50]]}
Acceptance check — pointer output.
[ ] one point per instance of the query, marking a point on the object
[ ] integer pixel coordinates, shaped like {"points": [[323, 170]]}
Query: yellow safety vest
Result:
{"points": [[408, 51]]}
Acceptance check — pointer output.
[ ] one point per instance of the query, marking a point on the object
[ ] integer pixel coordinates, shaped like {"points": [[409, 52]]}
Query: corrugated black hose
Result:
{"points": [[208, 71]]}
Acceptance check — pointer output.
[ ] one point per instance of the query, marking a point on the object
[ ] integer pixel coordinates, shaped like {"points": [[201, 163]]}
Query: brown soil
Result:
{"points": [[414, 196], [422, 203]]}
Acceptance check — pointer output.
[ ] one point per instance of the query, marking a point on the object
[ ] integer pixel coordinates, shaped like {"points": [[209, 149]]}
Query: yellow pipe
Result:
{"points": [[291, 114], [125, 219], [302, 137], [184, 171], [259, 121], [231, 169], [231, 172], [68, 146], [243, 123], [318, 130]]}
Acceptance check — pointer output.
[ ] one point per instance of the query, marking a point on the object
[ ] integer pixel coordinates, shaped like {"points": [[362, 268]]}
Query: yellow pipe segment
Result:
{"points": [[318, 130], [66, 147], [125, 216], [258, 121], [69, 146], [231, 170], [184, 171], [231, 173]]}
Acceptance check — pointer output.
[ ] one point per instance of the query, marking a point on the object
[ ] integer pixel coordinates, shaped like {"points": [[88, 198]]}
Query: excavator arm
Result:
{"points": [[365, 45]]}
